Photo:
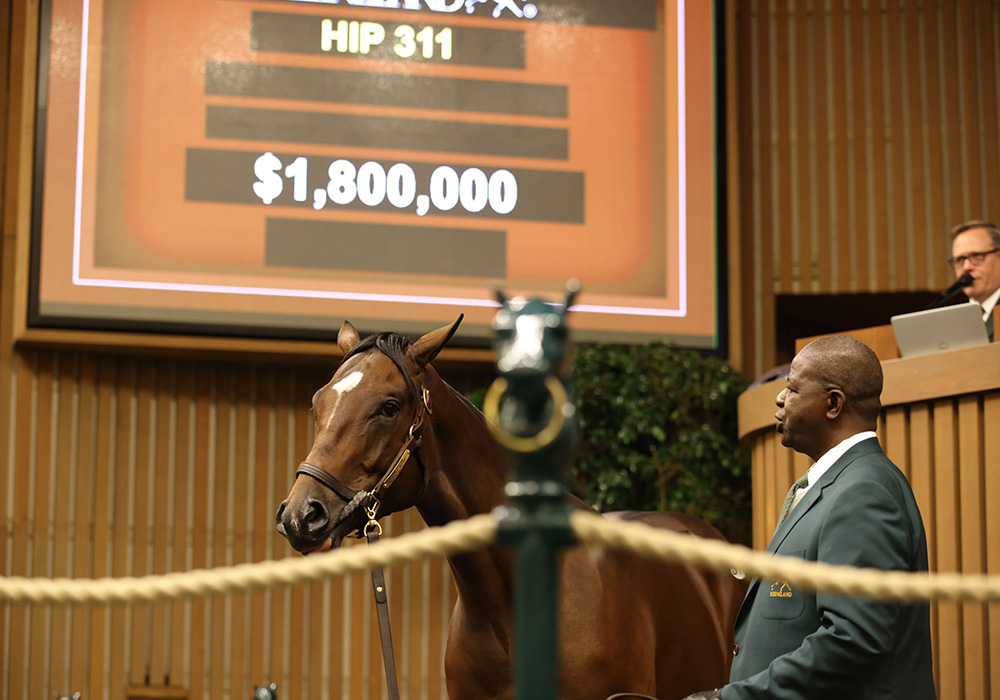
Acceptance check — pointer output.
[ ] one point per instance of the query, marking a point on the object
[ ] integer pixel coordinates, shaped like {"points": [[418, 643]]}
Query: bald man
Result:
{"points": [[853, 507]]}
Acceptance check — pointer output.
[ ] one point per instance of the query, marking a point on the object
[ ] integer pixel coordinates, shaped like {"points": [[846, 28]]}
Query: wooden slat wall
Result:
{"points": [[949, 450], [862, 130], [121, 466]]}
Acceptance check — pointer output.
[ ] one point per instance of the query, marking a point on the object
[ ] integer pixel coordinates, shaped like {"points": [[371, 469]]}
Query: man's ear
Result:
{"points": [[835, 399]]}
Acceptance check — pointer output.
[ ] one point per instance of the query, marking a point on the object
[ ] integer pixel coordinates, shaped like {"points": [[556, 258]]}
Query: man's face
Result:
{"points": [[986, 276], [802, 407]]}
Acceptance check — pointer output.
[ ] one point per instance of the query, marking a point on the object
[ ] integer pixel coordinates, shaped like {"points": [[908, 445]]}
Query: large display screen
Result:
{"points": [[270, 169]]}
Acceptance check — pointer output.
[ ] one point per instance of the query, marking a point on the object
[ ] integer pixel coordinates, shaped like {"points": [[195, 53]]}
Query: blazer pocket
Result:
{"points": [[779, 599]]}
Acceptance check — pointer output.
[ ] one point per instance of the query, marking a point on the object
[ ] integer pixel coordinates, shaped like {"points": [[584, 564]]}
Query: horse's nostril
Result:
{"points": [[315, 517], [278, 524]]}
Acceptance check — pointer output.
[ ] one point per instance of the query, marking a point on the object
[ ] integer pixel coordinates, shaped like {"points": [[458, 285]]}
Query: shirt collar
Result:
{"points": [[834, 453], [988, 305]]}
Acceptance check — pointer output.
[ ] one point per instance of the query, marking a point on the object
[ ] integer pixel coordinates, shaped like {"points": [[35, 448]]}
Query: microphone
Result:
{"points": [[961, 283]]}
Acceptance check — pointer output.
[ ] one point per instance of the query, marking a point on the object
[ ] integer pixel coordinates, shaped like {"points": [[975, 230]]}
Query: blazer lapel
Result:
{"points": [[812, 496], [815, 493]]}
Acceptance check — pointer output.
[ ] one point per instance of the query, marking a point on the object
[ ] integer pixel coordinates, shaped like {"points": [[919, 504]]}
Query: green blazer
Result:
{"points": [[792, 643]]}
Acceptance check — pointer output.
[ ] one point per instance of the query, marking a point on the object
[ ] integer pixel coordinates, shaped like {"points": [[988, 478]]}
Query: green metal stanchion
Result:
{"points": [[533, 417]]}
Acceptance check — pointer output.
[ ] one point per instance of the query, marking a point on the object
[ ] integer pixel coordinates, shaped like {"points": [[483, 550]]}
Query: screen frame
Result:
{"points": [[131, 333]]}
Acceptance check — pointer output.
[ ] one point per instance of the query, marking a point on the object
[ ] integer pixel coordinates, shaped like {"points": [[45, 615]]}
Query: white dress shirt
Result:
{"points": [[829, 459], [988, 305]]}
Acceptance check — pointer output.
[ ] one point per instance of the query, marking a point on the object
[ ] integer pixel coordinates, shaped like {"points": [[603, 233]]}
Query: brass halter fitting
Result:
{"points": [[372, 512]]}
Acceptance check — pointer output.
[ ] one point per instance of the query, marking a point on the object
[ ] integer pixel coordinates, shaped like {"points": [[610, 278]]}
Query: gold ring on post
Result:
{"points": [[545, 437]]}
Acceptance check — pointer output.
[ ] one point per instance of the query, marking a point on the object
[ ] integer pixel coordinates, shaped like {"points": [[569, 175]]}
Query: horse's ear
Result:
{"points": [[348, 337], [572, 289], [423, 351]]}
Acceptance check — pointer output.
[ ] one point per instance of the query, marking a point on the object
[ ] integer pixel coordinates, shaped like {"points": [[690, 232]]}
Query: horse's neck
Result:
{"points": [[467, 474]]}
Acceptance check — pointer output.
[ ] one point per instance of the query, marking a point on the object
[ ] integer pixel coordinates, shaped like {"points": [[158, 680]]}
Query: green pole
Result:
{"points": [[533, 418]]}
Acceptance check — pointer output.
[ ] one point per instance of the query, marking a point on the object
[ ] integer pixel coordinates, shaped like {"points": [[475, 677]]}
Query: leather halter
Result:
{"points": [[373, 529], [373, 500]]}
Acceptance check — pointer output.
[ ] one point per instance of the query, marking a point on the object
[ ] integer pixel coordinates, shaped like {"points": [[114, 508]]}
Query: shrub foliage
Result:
{"points": [[658, 431]]}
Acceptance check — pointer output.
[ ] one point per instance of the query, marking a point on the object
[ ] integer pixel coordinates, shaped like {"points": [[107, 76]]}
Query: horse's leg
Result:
{"points": [[477, 664]]}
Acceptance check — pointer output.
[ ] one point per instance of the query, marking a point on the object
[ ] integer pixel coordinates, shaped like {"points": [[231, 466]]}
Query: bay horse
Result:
{"points": [[391, 434]]}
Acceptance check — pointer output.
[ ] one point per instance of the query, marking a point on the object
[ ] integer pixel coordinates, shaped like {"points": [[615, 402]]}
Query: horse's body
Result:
{"points": [[626, 624]]}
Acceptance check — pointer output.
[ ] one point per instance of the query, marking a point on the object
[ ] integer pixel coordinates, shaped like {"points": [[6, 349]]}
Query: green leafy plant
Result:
{"points": [[658, 431]]}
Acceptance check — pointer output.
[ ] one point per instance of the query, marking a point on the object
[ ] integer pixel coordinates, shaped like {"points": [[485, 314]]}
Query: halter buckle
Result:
{"points": [[372, 512]]}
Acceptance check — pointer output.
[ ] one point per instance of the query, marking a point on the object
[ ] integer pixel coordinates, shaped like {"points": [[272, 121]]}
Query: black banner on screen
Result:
{"points": [[240, 177], [343, 245], [385, 89], [375, 39], [368, 131]]}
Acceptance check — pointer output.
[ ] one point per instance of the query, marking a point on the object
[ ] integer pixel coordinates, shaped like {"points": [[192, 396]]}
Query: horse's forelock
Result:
{"points": [[393, 346]]}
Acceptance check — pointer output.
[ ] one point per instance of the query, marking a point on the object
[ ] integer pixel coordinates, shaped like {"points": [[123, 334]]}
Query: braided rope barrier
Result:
{"points": [[480, 531], [454, 538], [722, 557]]}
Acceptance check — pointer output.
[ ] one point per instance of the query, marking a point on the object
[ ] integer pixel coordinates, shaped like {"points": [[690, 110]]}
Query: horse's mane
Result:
{"points": [[393, 346]]}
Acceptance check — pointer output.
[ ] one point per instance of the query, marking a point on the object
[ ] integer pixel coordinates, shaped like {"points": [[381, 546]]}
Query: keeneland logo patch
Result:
{"points": [[780, 589]]}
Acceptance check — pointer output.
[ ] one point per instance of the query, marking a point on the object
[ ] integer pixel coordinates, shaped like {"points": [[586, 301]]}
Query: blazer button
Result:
{"points": [[736, 649]]}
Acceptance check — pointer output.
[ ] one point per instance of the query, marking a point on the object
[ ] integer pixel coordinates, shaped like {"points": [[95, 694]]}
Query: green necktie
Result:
{"points": [[786, 507], [989, 324]]}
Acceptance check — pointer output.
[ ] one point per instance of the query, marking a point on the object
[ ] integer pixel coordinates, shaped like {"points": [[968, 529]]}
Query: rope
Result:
{"points": [[723, 557], [454, 538], [480, 531]]}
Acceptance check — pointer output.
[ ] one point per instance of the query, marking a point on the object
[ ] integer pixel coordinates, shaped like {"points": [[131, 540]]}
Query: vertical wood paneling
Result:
{"points": [[859, 123], [991, 495], [804, 30], [969, 115], [879, 247], [120, 647], [762, 185], [921, 475], [264, 501], [204, 398], [241, 525], [22, 423], [896, 133], [133, 467], [971, 516], [868, 129], [746, 233], [103, 495], [839, 182], [949, 545], [780, 70], [142, 456], [284, 456], [220, 523], [986, 126], [162, 480], [82, 485], [41, 521]]}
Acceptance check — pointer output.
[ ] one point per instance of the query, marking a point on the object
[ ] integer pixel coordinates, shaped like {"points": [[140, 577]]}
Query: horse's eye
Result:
{"points": [[390, 409]]}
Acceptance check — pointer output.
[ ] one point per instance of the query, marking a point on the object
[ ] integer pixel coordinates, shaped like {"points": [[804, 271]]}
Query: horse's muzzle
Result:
{"points": [[308, 526]]}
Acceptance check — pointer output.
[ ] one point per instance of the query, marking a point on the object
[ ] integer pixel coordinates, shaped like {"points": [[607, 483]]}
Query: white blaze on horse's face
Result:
{"points": [[342, 387], [527, 348]]}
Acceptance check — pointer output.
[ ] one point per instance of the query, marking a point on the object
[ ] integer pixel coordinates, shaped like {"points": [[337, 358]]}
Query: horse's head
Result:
{"points": [[365, 460]]}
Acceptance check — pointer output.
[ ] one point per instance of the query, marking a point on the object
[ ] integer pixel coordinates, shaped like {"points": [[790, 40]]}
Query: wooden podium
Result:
{"points": [[881, 339], [940, 424]]}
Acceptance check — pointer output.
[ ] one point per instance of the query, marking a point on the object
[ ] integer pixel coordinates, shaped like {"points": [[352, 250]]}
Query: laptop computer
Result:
{"points": [[938, 330]]}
